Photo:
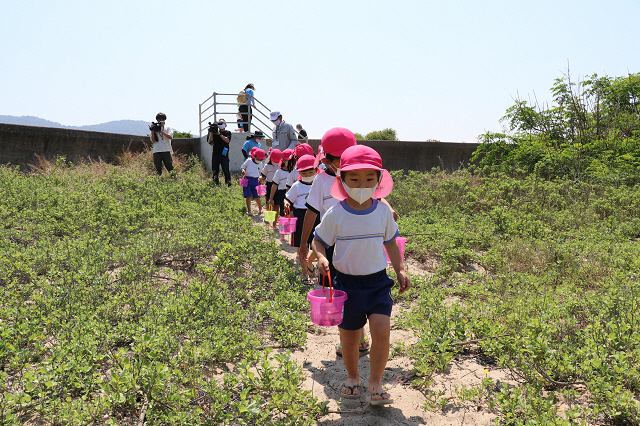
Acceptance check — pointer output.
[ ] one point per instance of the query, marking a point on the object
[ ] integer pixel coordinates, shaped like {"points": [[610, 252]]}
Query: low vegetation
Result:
{"points": [[124, 296]]}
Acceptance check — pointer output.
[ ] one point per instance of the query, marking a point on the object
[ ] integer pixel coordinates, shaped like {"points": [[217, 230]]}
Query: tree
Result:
{"points": [[387, 134], [183, 135], [591, 130]]}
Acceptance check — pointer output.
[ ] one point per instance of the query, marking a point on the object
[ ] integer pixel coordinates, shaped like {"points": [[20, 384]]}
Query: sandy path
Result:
{"points": [[326, 374]]}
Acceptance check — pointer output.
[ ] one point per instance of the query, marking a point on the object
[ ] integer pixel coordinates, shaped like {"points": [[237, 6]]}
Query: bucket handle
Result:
{"points": [[330, 286]]}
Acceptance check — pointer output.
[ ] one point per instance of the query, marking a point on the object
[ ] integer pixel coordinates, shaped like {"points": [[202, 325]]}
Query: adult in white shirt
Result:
{"points": [[284, 135], [161, 136]]}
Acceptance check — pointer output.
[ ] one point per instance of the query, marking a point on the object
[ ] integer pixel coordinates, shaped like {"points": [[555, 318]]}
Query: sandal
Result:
{"points": [[339, 350], [351, 388], [381, 400], [311, 272], [307, 281]]}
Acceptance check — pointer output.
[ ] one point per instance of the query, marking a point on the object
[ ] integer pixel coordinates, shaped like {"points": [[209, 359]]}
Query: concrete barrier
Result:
{"points": [[20, 144]]}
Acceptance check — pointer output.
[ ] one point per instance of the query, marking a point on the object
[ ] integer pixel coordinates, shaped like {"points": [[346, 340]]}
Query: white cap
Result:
{"points": [[274, 115]]}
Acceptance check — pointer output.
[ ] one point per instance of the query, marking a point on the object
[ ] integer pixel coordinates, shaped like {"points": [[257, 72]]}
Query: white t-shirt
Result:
{"points": [[268, 171], [297, 195], [359, 236], [320, 199], [163, 144], [280, 178], [293, 177], [251, 169]]}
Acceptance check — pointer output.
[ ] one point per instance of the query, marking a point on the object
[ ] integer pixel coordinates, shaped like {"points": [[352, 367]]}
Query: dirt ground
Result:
{"points": [[326, 374]]}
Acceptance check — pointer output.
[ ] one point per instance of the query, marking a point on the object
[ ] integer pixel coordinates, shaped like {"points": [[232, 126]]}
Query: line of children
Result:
{"points": [[296, 198], [251, 169], [357, 227]]}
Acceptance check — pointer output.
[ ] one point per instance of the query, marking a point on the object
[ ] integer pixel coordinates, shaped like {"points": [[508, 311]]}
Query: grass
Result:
{"points": [[559, 303], [125, 296]]}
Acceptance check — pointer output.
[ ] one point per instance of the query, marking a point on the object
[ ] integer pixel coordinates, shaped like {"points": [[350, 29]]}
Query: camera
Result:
{"points": [[155, 127], [213, 128]]}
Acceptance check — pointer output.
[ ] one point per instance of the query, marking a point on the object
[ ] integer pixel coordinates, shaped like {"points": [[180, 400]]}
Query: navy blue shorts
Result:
{"points": [[366, 295], [250, 190]]}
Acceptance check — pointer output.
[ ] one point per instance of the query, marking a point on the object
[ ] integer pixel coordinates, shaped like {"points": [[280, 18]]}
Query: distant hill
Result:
{"points": [[125, 127]]}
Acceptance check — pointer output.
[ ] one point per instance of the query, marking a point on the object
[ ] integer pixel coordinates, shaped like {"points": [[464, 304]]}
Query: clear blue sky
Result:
{"points": [[429, 69]]}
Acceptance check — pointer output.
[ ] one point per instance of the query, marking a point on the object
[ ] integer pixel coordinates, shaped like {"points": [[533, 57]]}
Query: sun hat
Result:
{"points": [[253, 150], [274, 115], [275, 155], [287, 154], [259, 154], [258, 134], [250, 85], [336, 140], [306, 162], [303, 149], [362, 157]]}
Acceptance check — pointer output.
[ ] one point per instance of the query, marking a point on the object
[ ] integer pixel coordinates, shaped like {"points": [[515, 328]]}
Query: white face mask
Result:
{"points": [[307, 179], [360, 195], [277, 122], [222, 126]]}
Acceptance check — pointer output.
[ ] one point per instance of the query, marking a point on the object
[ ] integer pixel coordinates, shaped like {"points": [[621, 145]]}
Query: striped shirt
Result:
{"points": [[359, 236]]}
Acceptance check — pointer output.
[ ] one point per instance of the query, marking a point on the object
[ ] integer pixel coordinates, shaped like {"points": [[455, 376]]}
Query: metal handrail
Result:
{"points": [[251, 114]]}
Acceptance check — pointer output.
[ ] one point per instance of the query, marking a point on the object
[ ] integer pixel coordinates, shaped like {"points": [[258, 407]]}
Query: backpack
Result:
{"points": [[242, 97]]}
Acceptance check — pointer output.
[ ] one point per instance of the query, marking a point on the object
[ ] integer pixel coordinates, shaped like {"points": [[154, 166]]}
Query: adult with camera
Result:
{"points": [[161, 136], [219, 138], [245, 108], [284, 135]]}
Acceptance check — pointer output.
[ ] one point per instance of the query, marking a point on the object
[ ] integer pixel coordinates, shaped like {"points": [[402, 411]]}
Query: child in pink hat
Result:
{"points": [[359, 226], [320, 200], [296, 198], [279, 188], [269, 170], [251, 170]]}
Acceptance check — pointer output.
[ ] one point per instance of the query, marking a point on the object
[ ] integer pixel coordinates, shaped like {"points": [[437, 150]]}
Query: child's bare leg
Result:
{"points": [[379, 326], [361, 342], [259, 204], [350, 339], [248, 201]]}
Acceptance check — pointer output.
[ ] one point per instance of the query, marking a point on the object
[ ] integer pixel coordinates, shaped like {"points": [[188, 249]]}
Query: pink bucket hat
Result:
{"points": [[362, 157], [276, 155], [306, 162], [303, 149], [258, 153], [287, 154], [336, 140]]}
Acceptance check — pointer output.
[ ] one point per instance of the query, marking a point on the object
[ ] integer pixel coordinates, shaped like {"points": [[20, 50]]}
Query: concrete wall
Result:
{"points": [[20, 144]]}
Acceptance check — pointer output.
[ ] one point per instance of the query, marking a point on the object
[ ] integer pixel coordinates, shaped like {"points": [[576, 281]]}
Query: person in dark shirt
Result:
{"points": [[220, 153], [302, 133]]}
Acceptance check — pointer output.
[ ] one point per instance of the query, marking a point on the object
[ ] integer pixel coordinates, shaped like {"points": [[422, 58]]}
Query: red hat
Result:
{"points": [[362, 157], [258, 153], [306, 162], [276, 155], [287, 154], [303, 149], [253, 150], [336, 140]]}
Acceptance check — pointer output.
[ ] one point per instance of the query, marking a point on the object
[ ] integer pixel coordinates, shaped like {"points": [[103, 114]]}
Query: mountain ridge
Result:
{"points": [[125, 127]]}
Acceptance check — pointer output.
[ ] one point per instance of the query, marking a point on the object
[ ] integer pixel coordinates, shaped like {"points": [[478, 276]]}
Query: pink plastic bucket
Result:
{"points": [[401, 242], [244, 182], [323, 312], [262, 189], [287, 225]]}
